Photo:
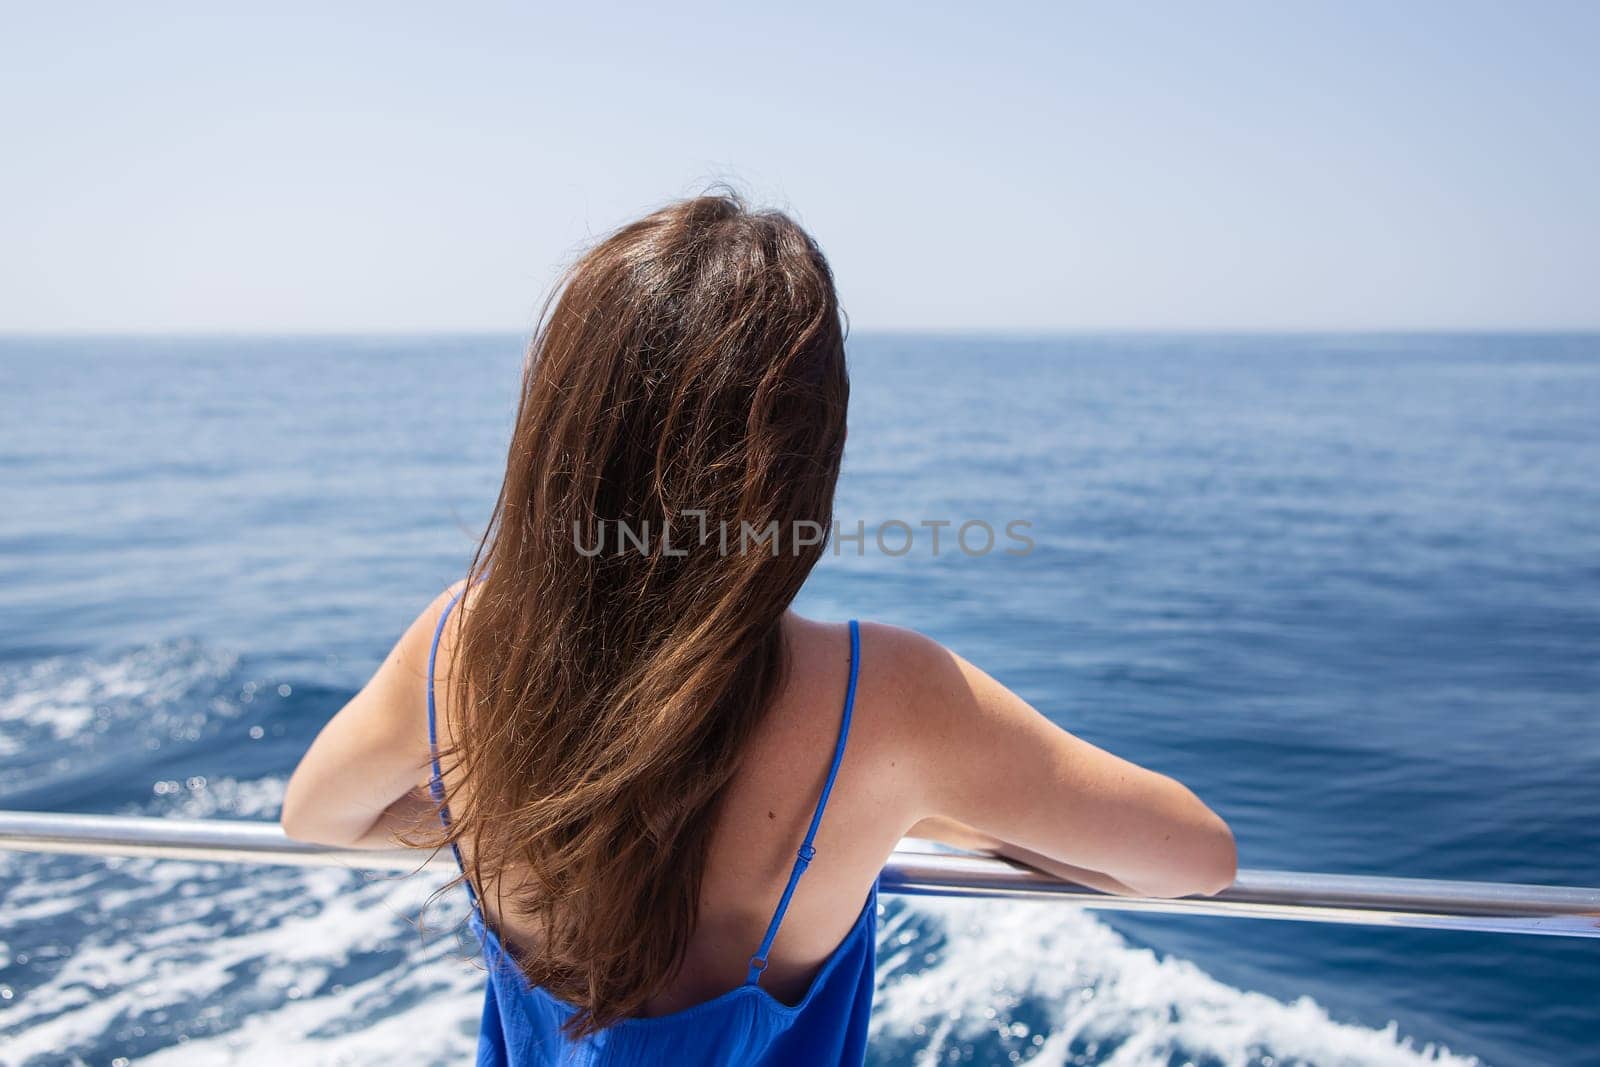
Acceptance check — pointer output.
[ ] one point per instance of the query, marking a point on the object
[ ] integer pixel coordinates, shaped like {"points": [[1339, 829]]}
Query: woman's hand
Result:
{"points": [[961, 836]]}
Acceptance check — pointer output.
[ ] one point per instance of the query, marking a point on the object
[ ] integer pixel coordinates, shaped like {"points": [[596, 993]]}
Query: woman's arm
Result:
{"points": [[950, 832], [997, 773], [415, 809], [358, 784]]}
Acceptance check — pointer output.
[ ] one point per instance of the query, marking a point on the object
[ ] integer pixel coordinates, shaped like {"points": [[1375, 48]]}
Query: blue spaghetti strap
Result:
{"points": [[436, 781], [807, 851]]}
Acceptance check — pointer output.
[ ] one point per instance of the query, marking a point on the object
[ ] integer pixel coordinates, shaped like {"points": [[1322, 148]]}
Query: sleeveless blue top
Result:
{"points": [[745, 1026]]}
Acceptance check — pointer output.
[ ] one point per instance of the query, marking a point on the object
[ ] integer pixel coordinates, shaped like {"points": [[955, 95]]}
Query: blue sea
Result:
{"points": [[1346, 587]]}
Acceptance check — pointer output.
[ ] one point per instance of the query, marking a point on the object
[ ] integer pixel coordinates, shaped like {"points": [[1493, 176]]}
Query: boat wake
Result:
{"points": [[997, 982]]}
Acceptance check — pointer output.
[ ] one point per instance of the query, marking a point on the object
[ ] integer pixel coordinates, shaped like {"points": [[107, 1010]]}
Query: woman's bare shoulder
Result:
{"points": [[890, 648], [902, 675]]}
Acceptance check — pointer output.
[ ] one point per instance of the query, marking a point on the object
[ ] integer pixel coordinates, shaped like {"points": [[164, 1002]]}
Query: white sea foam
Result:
{"points": [[1102, 1001], [224, 967]]}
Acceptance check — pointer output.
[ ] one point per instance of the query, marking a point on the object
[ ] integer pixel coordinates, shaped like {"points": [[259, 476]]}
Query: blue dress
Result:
{"points": [[745, 1026]]}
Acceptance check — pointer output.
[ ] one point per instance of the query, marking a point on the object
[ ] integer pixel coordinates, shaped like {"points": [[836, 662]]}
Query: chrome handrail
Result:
{"points": [[1329, 898]]}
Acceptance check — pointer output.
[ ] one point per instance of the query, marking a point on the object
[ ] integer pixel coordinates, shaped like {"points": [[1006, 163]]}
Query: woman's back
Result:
{"points": [[779, 969], [763, 820]]}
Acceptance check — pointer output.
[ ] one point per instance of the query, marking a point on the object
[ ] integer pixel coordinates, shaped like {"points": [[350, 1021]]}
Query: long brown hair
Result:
{"points": [[687, 382]]}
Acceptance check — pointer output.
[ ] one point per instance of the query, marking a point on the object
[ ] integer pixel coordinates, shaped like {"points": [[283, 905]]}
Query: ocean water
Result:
{"points": [[1347, 587]]}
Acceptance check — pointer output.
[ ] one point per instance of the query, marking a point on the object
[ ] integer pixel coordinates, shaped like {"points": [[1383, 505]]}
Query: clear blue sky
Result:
{"points": [[973, 166]]}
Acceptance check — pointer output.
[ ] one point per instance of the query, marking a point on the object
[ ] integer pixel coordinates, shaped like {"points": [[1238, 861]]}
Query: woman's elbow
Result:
{"points": [[1221, 867], [297, 822], [1209, 865], [1216, 866], [293, 823]]}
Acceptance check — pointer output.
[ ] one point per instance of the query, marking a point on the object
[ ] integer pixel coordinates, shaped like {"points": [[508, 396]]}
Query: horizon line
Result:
{"points": [[1010, 333]]}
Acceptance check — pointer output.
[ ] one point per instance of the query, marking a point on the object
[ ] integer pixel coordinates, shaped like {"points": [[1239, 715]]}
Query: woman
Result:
{"points": [[635, 748]]}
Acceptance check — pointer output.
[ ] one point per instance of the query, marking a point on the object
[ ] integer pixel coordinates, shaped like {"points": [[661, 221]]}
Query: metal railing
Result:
{"points": [[1327, 898]]}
